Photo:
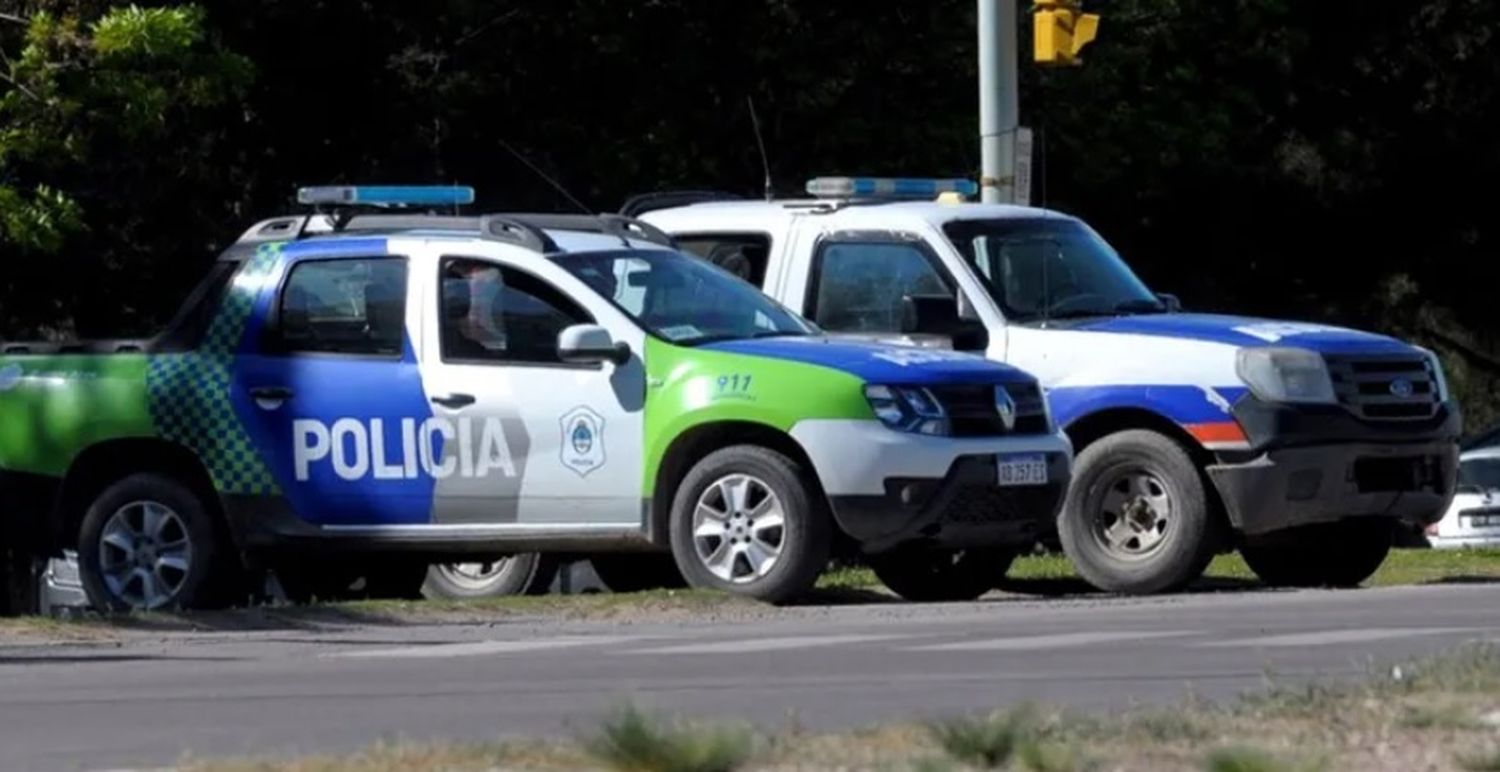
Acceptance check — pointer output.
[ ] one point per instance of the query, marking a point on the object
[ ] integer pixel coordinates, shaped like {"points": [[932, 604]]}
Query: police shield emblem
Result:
{"points": [[582, 446]]}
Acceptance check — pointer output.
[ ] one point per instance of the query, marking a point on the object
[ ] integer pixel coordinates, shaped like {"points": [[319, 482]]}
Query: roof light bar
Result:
{"points": [[888, 187], [386, 195]]}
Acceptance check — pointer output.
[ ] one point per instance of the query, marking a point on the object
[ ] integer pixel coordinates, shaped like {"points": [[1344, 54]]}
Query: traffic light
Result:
{"points": [[1061, 31]]}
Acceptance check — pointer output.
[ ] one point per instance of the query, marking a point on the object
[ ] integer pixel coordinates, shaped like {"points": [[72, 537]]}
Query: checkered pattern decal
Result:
{"points": [[189, 393]]}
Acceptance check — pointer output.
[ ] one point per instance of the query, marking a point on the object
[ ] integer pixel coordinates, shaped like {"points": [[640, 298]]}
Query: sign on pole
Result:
{"points": [[1023, 167]]}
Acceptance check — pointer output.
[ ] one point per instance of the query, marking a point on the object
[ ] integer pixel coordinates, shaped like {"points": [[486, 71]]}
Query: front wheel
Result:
{"points": [[747, 520], [1342, 554], [1137, 518], [939, 575], [148, 543]]}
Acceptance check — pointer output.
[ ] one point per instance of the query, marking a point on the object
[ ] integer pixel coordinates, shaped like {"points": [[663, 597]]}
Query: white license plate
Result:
{"points": [[1022, 470]]}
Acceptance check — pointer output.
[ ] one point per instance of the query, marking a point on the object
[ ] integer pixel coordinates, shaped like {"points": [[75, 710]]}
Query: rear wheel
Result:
{"points": [[529, 573], [148, 543], [747, 520], [1342, 554], [942, 575], [1137, 518]]}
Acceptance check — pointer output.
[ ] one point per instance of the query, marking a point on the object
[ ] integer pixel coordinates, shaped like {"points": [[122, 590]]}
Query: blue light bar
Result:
{"points": [[887, 187], [386, 195]]}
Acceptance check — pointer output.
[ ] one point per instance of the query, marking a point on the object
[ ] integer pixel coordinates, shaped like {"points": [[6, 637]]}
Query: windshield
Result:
{"points": [[1040, 269], [684, 299], [1479, 474]]}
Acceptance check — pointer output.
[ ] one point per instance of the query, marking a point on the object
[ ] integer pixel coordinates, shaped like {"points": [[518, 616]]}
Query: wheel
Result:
{"points": [[528, 573], [942, 575], [746, 520], [147, 543], [625, 572], [1342, 554], [1137, 518]]}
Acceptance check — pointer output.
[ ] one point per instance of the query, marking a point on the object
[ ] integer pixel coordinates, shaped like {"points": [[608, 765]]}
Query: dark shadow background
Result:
{"points": [[1331, 161]]}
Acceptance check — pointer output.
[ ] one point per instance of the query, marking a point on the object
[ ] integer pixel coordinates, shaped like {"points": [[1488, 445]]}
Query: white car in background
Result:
{"points": [[1473, 519]]}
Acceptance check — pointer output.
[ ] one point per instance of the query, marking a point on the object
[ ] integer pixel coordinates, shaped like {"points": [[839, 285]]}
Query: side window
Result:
{"points": [[743, 254], [858, 286], [344, 307], [497, 314]]}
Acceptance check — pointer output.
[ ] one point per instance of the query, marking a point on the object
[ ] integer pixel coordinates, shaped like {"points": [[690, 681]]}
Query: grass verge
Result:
{"points": [[1043, 575], [1365, 725]]}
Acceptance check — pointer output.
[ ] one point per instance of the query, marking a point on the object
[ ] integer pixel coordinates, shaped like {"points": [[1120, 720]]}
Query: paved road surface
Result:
{"points": [[148, 700]]}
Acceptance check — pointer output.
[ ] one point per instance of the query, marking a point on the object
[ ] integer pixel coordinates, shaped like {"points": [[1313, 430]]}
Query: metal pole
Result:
{"points": [[999, 99]]}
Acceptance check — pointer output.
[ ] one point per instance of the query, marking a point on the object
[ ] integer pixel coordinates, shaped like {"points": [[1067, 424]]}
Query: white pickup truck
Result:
{"points": [[1303, 446]]}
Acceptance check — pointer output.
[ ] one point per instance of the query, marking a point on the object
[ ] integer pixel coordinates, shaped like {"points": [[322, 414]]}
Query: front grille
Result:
{"points": [[972, 412], [1385, 388], [980, 505]]}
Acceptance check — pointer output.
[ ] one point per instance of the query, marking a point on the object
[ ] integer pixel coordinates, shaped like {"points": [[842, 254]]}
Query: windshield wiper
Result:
{"points": [[704, 339], [1140, 306]]}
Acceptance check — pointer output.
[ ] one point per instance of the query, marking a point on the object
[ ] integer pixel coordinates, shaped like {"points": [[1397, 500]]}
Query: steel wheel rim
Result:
{"points": [[145, 554], [474, 576], [1134, 518], [739, 528]]}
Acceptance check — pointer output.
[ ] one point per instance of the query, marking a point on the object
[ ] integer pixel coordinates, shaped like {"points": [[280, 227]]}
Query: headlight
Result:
{"points": [[908, 409], [1438, 374], [1286, 375]]}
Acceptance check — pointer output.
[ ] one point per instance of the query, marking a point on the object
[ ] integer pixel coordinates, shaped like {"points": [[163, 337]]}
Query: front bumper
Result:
{"points": [[1319, 465], [889, 489]]}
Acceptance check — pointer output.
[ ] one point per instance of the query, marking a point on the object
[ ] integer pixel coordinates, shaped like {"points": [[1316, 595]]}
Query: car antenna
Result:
{"points": [[554, 183], [765, 161]]}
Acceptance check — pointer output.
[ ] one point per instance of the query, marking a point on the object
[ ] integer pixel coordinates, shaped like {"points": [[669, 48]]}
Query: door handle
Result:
{"points": [[454, 401], [272, 393]]}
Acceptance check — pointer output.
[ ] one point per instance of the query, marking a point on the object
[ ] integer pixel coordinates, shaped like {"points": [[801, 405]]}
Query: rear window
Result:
{"points": [[354, 306]]}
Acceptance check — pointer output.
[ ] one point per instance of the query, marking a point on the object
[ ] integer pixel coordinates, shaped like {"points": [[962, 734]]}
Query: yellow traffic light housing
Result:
{"points": [[1061, 30]]}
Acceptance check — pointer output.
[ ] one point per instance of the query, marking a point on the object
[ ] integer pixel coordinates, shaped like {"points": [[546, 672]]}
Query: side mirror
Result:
{"points": [[942, 315], [590, 344], [1172, 302]]}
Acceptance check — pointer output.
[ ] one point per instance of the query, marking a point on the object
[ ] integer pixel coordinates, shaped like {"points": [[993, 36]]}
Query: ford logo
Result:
{"points": [[1402, 388]]}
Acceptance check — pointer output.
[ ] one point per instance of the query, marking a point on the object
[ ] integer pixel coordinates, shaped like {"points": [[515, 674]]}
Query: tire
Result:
{"points": [[626, 572], [925, 576], [148, 543], [1341, 555], [1151, 478], [529, 573], [801, 542]]}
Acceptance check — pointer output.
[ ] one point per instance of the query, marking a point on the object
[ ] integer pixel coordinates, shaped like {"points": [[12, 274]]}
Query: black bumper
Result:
{"points": [[1317, 465], [965, 508]]}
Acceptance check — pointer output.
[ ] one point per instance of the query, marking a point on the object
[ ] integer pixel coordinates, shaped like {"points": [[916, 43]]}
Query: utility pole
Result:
{"points": [[999, 99]]}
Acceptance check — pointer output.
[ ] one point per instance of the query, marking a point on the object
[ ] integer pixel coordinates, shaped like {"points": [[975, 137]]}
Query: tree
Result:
{"points": [[97, 105]]}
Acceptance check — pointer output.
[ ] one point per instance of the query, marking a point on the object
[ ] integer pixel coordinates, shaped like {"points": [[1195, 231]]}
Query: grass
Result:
{"points": [[632, 741], [1398, 718], [1042, 575]]}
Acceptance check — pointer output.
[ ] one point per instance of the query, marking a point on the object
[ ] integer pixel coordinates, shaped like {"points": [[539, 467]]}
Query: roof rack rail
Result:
{"points": [[635, 206], [620, 226]]}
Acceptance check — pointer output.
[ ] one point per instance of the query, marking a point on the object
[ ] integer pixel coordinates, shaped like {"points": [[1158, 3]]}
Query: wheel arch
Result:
{"points": [[1088, 429], [1093, 427], [693, 444], [100, 465]]}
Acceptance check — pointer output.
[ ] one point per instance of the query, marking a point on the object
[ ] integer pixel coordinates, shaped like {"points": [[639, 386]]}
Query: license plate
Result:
{"points": [[1022, 470]]}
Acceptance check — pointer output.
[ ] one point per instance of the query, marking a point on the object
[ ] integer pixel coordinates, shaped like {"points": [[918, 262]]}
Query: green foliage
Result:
{"points": [[632, 741], [988, 742], [1246, 759], [97, 106], [1297, 160]]}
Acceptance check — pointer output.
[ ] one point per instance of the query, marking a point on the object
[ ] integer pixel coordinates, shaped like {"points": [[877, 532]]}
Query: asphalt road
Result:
{"points": [[316, 687]]}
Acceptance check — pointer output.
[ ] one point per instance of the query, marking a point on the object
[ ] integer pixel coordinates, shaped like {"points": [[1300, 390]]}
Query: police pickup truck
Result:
{"points": [[1302, 445], [379, 392]]}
